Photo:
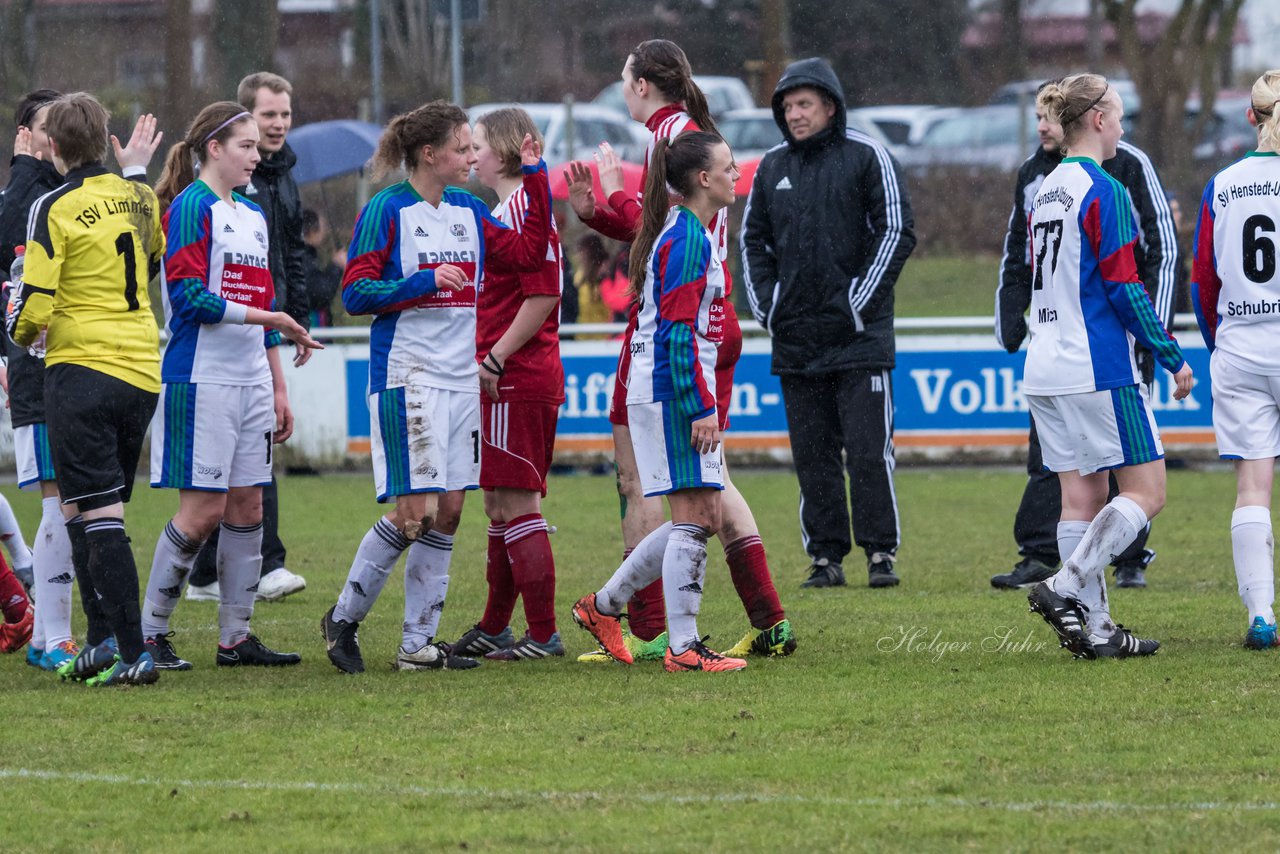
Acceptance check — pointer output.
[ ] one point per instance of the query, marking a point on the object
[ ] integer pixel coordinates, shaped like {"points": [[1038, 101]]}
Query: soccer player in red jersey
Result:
{"points": [[659, 90], [522, 387]]}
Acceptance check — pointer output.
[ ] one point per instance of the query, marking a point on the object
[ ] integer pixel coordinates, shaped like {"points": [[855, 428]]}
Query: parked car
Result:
{"points": [[723, 94], [750, 133], [999, 137], [1024, 92], [1228, 135], [592, 124], [903, 124]]}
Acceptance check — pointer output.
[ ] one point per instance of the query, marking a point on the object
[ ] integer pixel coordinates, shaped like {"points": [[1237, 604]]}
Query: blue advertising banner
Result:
{"points": [[950, 391]]}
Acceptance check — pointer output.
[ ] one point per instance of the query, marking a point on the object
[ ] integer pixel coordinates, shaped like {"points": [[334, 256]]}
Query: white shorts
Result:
{"points": [[210, 437], [1246, 411], [424, 440], [1096, 430], [665, 458], [33, 455]]}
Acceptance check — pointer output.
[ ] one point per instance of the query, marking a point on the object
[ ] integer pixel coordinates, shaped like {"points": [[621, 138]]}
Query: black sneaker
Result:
{"points": [[824, 573], [251, 653], [163, 653], [1123, 644], [880, 571], [1027, 572], [1065, 616], [477, 643], [1134, 574], [342, 643]]}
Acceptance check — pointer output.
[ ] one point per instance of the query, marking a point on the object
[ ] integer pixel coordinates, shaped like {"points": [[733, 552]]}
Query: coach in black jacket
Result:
{"points": [[825, 234], [1036, 523]]}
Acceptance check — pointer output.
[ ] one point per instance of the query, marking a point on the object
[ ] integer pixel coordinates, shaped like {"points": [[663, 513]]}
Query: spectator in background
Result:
{"points": [[591, 262], [615, 289], [323, 268]]}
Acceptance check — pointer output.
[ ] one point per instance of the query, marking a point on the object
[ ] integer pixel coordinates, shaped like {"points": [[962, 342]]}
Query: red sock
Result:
{"points": [[13, 598], [749, 569], [533, 568], [647, 611], [502, 588]]}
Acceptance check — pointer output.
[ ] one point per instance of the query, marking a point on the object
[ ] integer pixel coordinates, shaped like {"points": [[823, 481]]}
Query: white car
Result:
{"points": [[723, 94], [592, 125], [903, 124]]}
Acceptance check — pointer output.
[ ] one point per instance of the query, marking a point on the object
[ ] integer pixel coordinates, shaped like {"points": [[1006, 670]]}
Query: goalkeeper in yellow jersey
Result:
{"points": [[91, 246]]}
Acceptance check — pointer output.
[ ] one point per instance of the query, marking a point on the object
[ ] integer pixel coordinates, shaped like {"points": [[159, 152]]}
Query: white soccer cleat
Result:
{"points": [[279, 583], [210, 592]]}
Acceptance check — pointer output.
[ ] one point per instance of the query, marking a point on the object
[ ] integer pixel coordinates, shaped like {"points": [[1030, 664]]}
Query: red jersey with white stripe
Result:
{"points": [[534, 372]]}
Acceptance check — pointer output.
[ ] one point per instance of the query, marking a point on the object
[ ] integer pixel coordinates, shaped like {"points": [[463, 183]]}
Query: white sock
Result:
{"points": [[11, 536], [426, 583], [684, 568], [1253, 548], [641, 568], [170, 568], [1069, 536], [239, 566], [1109, 534], [54, 575], [374, 560]]}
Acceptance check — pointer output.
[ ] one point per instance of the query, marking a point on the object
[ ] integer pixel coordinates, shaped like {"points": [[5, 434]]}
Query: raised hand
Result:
{"points": [[142, 144], [610, 166], [530, 151], [582, 197], [22, 144]]}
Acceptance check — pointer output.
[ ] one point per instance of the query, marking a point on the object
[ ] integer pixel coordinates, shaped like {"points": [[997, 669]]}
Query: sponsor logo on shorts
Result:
{"points": [[433, 472], [214, 472]]}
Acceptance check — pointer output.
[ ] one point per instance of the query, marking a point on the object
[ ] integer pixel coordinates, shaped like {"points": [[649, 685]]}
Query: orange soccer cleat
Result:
{"points": [[698, 657], [605, 629]]}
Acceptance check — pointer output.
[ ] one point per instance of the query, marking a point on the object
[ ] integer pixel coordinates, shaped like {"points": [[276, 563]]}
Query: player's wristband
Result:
{"points": [[495, 369]]}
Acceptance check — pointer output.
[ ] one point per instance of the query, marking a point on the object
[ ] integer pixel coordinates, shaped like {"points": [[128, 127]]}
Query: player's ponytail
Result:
{"points": [[215, 123], [674, 164], [1264, 99], [1065, 102], [431, 124], [666, 67]]}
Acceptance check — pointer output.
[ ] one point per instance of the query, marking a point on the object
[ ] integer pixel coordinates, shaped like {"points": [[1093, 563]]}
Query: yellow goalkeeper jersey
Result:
{"points": [[92, 245]]}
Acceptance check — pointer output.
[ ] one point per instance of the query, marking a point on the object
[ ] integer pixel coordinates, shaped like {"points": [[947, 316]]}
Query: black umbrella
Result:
{"points": [[329, 149]]}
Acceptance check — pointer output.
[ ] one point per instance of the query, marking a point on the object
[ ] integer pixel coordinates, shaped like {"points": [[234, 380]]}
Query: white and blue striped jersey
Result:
{"points": [[1087, 301]]}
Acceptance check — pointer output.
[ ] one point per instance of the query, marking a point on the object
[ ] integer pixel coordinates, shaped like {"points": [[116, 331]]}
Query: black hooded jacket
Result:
{"points": [[273, 189], [826, 231], [29, 179]]}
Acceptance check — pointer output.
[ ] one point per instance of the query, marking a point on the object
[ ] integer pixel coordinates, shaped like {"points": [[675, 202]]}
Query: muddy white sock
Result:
{"points": [[170, 568], [684, 569], [374, 560], [426, 583], [1253, 549], [640, 569]]}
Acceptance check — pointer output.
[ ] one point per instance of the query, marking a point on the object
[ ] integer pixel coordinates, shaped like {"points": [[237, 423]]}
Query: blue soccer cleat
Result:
{"points": [[56, 656], [34, 654], [1261, 635]]}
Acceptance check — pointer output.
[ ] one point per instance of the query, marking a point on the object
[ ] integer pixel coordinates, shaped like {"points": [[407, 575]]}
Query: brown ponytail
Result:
{"points": [[215, 123], [431, 124], [676, 164], [665, 66]]}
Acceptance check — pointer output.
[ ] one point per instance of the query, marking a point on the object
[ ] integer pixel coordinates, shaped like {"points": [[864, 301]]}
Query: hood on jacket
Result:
{"points": [[277, 164], [815, 72]]}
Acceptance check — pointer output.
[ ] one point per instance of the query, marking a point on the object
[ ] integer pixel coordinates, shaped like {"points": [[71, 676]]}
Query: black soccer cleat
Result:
{"points": [[251, 653], [1133, 574], [824, 573], [1065, 616], [163, 653], [1123, 644], [880, 571], [1027, 572], [477, 642], [342, 643]]}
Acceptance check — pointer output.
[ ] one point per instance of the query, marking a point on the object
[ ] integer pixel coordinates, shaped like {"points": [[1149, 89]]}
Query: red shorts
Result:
{"points": [[618, 403], [519, 438]]}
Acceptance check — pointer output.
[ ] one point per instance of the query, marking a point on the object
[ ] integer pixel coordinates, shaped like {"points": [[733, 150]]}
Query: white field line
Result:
{"points": [[719, 798]]}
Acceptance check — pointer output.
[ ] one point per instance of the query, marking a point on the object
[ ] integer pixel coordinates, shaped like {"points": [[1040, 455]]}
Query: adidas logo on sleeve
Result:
{"points": [[784, 184]]}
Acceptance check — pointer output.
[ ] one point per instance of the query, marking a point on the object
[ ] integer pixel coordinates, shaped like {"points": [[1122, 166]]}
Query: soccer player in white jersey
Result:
{"points": [[1234, 294], [678, 276], [1081, 381], [223, 402], [417, 255]]}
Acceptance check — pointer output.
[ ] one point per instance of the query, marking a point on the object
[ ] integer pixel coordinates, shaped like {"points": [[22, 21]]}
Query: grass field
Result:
{"points": [[975, 732]]}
